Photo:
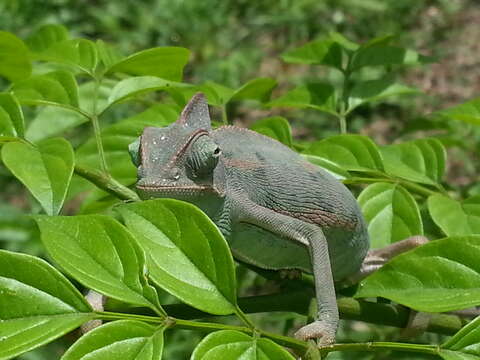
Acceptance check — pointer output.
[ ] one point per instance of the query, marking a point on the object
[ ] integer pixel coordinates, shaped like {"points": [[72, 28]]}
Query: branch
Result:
{"points": [[106, 183], [298, 301]]}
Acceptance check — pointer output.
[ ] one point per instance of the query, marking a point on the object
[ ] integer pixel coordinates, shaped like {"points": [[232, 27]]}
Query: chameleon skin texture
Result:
{"points": [[276, 210]]}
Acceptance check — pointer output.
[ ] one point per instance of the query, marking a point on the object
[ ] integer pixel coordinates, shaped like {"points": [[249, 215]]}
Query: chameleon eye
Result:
{"points": [[203, 157]]}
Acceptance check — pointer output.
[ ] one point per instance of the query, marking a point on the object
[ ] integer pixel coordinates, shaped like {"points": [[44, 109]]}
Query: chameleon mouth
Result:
{"points": [[176, 189]]}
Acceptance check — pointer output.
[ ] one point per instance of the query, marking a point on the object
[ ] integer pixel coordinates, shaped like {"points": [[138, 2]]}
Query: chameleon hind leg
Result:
{"points": [[375, 259], [325, 327]]}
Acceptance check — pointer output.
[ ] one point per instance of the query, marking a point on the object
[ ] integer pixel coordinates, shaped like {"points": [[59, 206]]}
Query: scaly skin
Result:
{"points": [[256, 188]]}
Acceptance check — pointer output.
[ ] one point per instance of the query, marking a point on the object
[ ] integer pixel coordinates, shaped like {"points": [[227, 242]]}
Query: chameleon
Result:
{"points": [[276, 210]]}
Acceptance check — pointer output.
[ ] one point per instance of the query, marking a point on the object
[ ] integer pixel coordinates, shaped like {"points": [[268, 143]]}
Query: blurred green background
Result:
{"points": [[233, 41]]}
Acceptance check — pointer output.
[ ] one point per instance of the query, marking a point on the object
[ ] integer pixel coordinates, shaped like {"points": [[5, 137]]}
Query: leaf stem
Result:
{"points": [[96, 128], [375, 346], [106, 182]]}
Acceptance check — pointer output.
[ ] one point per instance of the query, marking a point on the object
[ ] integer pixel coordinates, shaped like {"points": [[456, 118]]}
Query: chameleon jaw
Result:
{"points": [[171, 190]]}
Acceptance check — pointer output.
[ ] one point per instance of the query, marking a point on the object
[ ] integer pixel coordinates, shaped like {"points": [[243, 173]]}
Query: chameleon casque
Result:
{"points": [[276, 210]]}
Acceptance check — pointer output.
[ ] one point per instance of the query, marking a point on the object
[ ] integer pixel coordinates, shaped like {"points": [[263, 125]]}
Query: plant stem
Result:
{"points": [[345, 95], [241, 315], [374, 346], [292, 343], [106, 182], [96, 128], [224, 114]]}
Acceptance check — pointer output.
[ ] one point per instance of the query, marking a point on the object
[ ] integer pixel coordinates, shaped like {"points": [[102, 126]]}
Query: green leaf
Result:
{"points": [[381, 54], [79, 53], [101, 254], [350, 152], [119, 340], [257, 89], [391, 212], [117, 137], [318, 96], [11, 116], [276, 127], [45, 169], [468, 112], [38, 304], [186, 253], [14, 57], [46, 36], [164, 62], [421, 160], [455, 217], [318, 52], [347, 44], [452, 281], [55, 88], [52, 120], [464, 345], [107, 54], [6, 139], [327, 165], [375, 90], [135, 86], [233, 345]]}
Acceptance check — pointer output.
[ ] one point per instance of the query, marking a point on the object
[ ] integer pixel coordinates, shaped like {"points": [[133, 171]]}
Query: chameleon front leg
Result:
{"points": [[312, 236]]}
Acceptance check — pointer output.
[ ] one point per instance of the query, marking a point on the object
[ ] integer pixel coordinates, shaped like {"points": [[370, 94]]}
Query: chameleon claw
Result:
{"points": [[319, 330]]}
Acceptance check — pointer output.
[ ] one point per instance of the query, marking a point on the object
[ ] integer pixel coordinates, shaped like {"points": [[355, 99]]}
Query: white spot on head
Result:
{"points": [[163, 137]]}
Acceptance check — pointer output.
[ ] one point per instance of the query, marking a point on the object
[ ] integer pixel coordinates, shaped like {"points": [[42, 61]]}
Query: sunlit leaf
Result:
{"points": [[11, 116], [119, 340], [101, 254], [276, 127], [464, 345], [46, 36], [421, 160], [391, 212], [186, 253], [135, 86], [455, 217], [57, 87], [233, 345], [350, 152], [164, 62], [45, 169], [38, 304], [452, 281], [258, 89], [14, 57], [79, 53]]}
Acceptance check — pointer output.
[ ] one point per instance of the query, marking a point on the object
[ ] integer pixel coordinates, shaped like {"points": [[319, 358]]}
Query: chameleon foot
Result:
{"points": [[319, 330]]}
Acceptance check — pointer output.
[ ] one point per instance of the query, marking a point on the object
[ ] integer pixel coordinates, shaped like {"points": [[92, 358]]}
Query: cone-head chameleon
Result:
{"points": [[276, 210]]}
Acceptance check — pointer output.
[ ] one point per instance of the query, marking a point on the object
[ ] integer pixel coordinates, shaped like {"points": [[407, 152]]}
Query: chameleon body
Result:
{"points": [[276, 210]]}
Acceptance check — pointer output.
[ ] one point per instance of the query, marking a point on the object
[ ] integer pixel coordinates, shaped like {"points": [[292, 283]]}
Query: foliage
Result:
{"points": [[134, 253]]}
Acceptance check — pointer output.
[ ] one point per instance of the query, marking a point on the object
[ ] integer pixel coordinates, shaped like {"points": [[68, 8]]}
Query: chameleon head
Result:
{"points": [[180, 160]]}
